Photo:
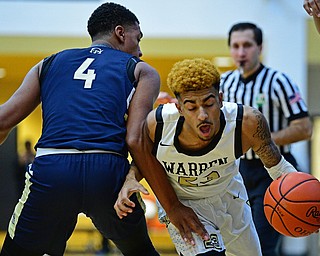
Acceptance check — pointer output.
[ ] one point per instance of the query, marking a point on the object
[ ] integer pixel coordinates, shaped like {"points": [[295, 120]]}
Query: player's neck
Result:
{"points": [[192, 142], [102, 43]]}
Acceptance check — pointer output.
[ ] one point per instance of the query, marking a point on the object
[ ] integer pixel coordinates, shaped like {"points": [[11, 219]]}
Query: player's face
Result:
{"points": [[133, 36], [245, 51], [201, 110]]}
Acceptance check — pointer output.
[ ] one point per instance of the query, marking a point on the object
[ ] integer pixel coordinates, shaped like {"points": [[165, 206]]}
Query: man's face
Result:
{"points": [[201, 110], [245, 51], [133, 36]]}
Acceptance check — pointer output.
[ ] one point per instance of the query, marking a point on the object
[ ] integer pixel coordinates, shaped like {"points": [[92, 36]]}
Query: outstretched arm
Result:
{"points": [[256, 135], [21, 103], [131, 185], [140, 147]]}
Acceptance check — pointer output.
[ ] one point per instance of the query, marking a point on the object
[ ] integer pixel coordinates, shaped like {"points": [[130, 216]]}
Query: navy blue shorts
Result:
{"points": [[59, 187]]}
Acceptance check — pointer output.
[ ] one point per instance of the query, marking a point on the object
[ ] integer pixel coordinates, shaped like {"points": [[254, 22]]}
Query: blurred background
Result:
{"points": [[173, 30]]}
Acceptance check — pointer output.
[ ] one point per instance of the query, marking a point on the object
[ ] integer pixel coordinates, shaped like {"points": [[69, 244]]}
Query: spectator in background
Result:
{"points": [[279, 99], [312, 7], [105, 247], [25, 159]]}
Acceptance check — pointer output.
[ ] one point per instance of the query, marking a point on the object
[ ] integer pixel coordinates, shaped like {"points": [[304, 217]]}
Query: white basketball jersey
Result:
{"points": [[209, 171]]}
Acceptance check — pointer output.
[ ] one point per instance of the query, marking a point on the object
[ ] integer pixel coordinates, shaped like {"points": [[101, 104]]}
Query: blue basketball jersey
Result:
{"points": [[85, 96]]}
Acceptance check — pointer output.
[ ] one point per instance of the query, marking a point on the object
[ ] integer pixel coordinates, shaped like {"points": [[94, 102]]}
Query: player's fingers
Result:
{"points": [[142, 189], [122, 208], [307, 7], [314, 7], [198, 228], [187, 222], [188, 238], [194, 226], [119, 212], [123, 204], [186, 234]]}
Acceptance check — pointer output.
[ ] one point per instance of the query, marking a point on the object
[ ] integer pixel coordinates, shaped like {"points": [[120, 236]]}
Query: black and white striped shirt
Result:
{"points": [[270, 91]]}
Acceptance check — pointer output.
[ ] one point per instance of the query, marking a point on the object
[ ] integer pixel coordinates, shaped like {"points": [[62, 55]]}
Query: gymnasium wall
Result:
{"points": [[172, 29]]}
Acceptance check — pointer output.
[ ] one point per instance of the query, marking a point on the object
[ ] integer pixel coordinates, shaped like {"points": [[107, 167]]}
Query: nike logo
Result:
{"points": [[235, 197], [164, 145]]}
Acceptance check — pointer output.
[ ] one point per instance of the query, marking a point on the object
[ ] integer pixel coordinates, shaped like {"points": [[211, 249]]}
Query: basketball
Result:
{"points": [[292, 204]]}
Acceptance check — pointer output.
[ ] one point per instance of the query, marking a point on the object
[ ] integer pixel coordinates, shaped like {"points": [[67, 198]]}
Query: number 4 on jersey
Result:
{"points": [[87, 77]]}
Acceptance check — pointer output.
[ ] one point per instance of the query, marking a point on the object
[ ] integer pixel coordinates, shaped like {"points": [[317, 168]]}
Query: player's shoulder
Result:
{"points": [[167, 112], [252, 117], [143, 69], [146, 67]]}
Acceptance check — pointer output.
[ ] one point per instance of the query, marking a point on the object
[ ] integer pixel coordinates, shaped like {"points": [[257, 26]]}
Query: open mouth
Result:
{"points": [[205, 129], [242, 63]]}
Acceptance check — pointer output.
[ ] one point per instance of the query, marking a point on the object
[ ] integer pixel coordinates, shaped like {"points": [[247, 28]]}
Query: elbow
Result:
{"points": [[138, 143], [5, 128], [306, 129], [133, 142], [309, 132]]}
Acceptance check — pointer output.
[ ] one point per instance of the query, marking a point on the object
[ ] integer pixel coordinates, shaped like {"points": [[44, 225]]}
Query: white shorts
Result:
{"points": [[228, 220], [215, 242]]}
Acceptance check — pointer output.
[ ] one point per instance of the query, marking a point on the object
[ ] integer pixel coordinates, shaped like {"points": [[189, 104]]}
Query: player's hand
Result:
{"points": [[312, 7], [124, 205], [186, 221], [164, 98]]}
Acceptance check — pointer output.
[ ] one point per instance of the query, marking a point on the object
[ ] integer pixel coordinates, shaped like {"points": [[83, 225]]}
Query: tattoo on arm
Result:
{"points": [[262, 131], [266, 148]]}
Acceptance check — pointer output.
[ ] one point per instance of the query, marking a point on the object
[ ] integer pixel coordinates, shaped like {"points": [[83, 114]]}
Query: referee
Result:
{"points": [[279, 99]]}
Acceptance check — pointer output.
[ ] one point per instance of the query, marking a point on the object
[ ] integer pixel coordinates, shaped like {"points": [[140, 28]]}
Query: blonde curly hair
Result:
{"points": [[192, 75]]}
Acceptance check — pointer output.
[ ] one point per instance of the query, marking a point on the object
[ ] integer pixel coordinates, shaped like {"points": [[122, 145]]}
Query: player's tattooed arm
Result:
{"points": [[256, 135]]}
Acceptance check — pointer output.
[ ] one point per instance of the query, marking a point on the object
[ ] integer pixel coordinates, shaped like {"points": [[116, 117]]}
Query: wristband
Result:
{"points": [[281, 168]]}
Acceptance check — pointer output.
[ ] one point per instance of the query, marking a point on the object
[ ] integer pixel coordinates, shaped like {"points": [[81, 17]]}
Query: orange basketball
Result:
{"points": [[292, 204]]}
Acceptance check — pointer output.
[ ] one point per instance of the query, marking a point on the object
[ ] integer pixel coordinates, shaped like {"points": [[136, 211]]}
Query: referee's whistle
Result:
{"points": [[241, 67]]}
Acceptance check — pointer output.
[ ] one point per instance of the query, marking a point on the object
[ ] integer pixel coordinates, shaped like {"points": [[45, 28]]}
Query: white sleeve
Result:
{"points": [[281, 168]]}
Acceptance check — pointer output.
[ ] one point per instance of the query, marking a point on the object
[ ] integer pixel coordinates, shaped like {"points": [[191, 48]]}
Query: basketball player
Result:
{"points": [[199, 141], [81, 159], [276, 96], [312, 7]]}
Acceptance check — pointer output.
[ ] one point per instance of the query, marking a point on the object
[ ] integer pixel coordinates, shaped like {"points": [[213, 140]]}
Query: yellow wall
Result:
{"points": [[315, 148], [19, 53], [313, 44], [16, 68]]}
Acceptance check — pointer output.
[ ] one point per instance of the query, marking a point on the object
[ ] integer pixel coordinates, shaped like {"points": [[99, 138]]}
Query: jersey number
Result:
{"points": [[87, 77], [197, 181]]}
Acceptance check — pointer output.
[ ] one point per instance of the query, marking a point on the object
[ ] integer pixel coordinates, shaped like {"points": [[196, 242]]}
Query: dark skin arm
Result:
{"points": [[21, 103], [140, 147]]}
